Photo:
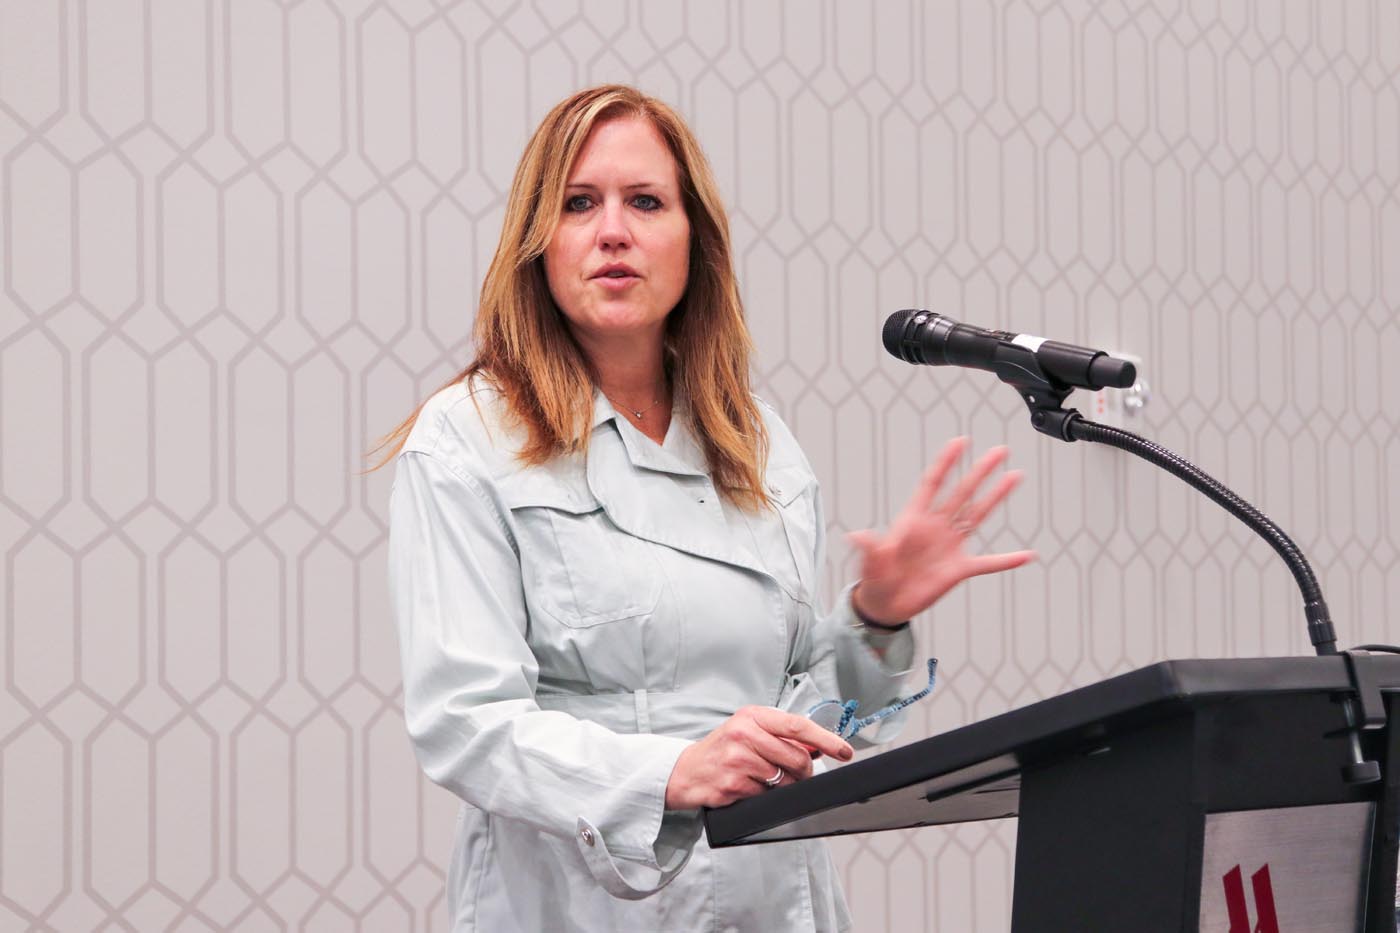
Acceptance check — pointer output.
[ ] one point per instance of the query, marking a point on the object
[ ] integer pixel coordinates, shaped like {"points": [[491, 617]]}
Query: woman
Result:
{"points": [[604, 556]]}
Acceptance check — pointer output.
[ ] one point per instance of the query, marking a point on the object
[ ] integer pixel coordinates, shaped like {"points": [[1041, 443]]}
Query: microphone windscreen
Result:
{"points": [[893, 334]]}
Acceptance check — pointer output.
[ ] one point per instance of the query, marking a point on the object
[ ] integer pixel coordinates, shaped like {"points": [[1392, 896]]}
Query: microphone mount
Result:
{"points": [[1045, 396]]}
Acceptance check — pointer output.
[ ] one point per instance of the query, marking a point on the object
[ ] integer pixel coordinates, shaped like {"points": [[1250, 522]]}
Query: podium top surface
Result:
{"points": [[973, 772]]}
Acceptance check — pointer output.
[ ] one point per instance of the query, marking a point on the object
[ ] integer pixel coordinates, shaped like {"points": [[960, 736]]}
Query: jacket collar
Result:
{"points": [[680, 454], [627, 473]]}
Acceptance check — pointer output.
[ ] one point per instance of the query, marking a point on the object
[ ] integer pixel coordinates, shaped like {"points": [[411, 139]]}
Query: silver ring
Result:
{"points": [[776, 779], [963, 527]]}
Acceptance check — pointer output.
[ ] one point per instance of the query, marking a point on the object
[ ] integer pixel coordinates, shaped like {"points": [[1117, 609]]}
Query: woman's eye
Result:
{"points": [[579, 202], [647, 202]]}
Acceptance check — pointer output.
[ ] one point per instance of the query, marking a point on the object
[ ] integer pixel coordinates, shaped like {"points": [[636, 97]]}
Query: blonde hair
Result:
{"points": [[524, 348]]}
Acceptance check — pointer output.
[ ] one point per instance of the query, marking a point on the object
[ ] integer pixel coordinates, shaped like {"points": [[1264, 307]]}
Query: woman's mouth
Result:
{"points": [[616, 282], [616, 279]]}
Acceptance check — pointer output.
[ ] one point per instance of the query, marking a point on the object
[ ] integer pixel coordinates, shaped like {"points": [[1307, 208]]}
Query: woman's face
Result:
{"points": [[619, 259]]}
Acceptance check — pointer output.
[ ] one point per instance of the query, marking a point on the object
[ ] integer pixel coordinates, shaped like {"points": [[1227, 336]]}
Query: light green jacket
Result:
{"points": [[567, 630]]}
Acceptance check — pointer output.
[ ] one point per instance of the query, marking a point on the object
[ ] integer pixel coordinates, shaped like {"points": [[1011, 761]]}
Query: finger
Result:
{"points": [[778, 753], [796, 765], [995, 563], [874, 552], [801, 729], [963, 491], [979, 510], [811, 752], [806, 756], [934, 476], [790, 779], [744, 763], [769, 771]]}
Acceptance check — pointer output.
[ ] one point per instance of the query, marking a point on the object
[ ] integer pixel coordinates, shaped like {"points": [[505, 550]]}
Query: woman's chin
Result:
{"points": [[621, 326]]}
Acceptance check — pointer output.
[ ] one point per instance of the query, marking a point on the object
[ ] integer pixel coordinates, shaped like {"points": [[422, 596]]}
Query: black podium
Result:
{"points": [[1197, 794]]}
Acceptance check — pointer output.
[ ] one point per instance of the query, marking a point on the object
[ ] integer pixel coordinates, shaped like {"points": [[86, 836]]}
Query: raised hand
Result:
{"points": [[909, 567]]}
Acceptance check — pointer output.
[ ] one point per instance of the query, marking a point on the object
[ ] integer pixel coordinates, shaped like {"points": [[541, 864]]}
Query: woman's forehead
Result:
{"points": [[628, 150]]}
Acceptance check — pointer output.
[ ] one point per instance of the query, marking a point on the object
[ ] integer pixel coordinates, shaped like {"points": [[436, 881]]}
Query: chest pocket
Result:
{"points": [[790, 538], [578, 567]]}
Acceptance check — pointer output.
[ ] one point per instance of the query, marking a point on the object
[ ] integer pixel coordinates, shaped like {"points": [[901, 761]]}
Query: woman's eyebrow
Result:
{"points": [[631, 187]]}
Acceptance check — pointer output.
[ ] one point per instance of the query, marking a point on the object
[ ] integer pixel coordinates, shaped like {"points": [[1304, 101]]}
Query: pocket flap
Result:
{"points": [[786, 483], [528, 489]]}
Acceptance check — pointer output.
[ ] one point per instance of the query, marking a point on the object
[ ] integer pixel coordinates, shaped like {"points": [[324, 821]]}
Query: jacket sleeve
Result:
{"points": [[469, 681], [860, 663]]}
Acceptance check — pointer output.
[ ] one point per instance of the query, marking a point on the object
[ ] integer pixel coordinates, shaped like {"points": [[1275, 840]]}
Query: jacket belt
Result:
{"points": [[687, 715]]}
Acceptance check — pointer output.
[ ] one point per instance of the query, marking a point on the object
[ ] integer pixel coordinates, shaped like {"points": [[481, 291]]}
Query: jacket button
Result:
{"points": [[587, 836]]}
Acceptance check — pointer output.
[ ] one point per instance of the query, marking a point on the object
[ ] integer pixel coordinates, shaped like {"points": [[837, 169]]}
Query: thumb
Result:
{"points": [[864, 540]]}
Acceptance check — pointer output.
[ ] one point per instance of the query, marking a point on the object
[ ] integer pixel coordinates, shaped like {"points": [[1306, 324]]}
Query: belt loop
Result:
{"points": [[643, 713]]}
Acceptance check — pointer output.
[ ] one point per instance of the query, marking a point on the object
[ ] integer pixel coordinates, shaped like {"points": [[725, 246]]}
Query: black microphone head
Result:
{"points": [[896, 325], [917, 336]]}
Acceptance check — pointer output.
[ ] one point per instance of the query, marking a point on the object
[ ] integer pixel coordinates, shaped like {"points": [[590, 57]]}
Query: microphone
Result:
{"points": [[936, 340], [1044, 373]]}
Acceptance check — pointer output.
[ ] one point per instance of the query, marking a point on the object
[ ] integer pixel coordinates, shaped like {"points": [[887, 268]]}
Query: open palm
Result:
{"points": [[909, 567]]}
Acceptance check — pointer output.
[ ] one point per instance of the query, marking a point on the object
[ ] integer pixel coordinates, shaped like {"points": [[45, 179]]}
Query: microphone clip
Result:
{"points": [[1048, 416], [1045, 396]]}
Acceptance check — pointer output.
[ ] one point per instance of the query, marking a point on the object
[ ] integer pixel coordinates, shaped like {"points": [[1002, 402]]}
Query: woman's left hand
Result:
{"points": [[921, 557]]}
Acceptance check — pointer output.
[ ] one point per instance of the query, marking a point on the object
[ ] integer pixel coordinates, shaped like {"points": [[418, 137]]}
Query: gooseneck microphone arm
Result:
{"points": [[1358, 769], [925, 337], [1320, 630]]}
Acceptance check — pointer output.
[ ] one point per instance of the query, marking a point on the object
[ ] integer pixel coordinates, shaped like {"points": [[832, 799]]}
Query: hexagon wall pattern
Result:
{"points": [[241, 239]]}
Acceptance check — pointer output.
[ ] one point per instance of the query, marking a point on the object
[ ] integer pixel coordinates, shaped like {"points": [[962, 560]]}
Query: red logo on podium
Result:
{"points": [[1263, 901]]}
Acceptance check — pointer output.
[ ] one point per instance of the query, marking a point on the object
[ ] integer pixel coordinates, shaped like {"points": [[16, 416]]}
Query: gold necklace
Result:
{"points": [[636, 413]]}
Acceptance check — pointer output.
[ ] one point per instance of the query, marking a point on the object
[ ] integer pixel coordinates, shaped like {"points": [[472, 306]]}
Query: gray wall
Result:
{"points": [[241, 240]]}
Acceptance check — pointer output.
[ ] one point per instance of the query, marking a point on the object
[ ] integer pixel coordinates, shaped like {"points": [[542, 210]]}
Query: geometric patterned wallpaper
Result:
{"points": [[242, 239]]}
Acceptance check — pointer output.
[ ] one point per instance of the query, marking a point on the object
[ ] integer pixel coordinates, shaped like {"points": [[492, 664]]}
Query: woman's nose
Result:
{"points": [[612, 226]]}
